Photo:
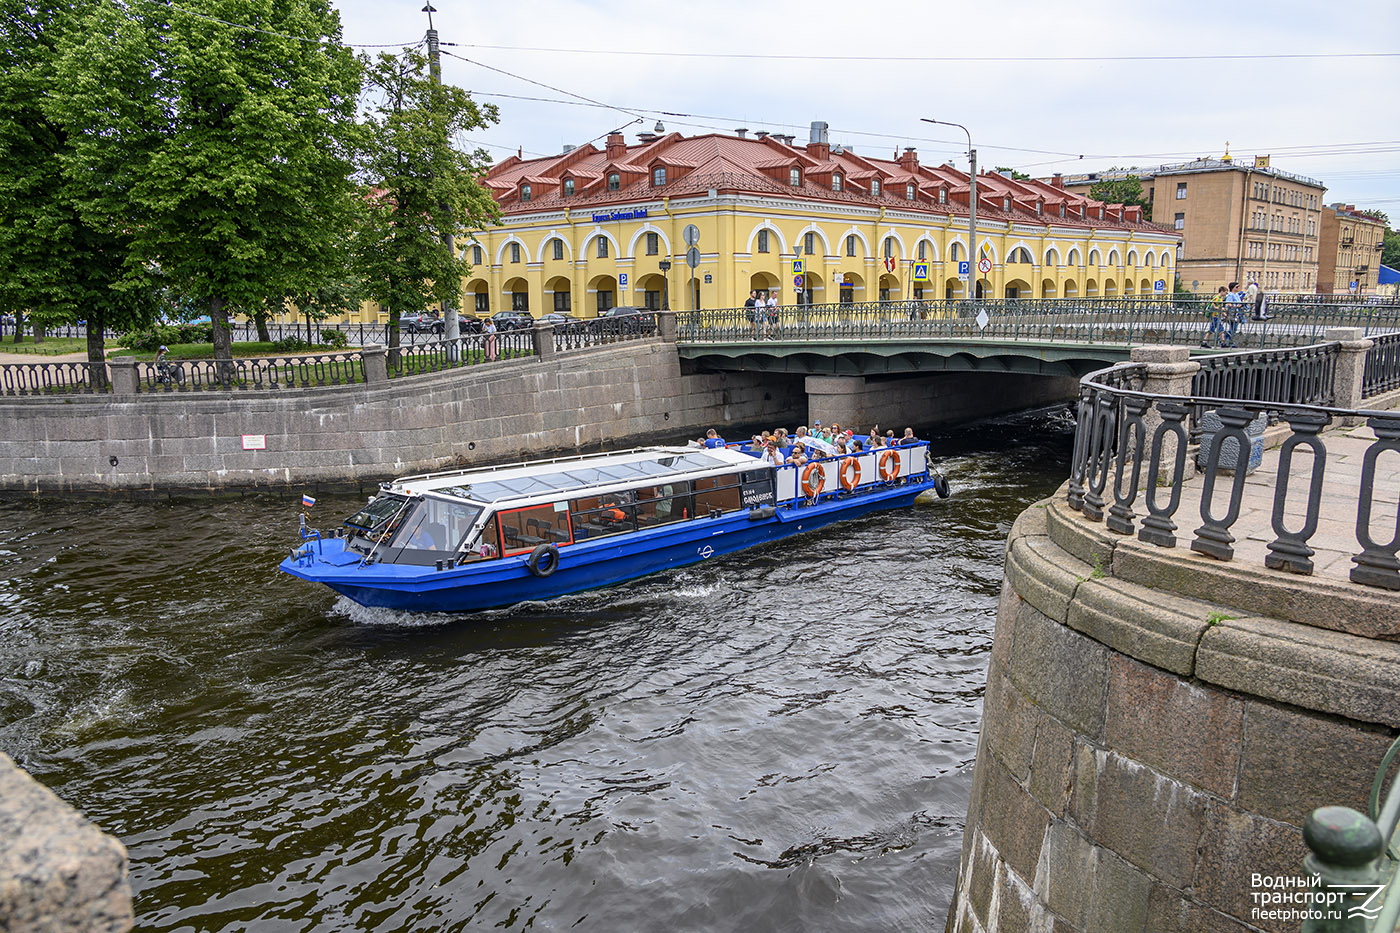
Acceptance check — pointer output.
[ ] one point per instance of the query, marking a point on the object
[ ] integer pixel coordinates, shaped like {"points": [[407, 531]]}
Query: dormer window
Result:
{"points": [[836, 182], [1039, 208], [1062, 210], [875, 187], [568, 187], [658, 176], [942, 195], [524, 192], [909, 192], [614, 181], [1006, 205], [795, 176]]}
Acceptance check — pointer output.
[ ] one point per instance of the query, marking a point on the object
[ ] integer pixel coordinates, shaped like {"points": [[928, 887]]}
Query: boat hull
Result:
{"points": [[582, 566]]}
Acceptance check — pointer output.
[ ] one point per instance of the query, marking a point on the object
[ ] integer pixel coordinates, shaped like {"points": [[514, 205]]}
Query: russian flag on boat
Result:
{"points": [[306, 501]]}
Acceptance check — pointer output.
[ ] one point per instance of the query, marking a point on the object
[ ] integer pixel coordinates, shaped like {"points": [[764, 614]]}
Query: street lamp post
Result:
{"points": [[971, 208]]}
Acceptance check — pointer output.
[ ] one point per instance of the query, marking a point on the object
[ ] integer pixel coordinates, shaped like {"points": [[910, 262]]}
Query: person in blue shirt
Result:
{"points": [[1234, 312], [712, 439]]}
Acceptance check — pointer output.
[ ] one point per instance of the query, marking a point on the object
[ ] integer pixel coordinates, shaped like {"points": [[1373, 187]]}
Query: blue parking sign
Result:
{"points": [[622, 279], [962, 267], [1160, 285]]}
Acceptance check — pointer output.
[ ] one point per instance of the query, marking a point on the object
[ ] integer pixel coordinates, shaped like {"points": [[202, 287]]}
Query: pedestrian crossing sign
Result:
{"points": [[920, 272], [797, 267]]}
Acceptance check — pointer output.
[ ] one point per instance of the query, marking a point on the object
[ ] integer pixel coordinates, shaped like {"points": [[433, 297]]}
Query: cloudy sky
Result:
{"points": [[872, 71]]}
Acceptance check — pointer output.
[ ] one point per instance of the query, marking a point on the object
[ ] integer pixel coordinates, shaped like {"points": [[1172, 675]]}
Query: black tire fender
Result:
{"points": [[940, 486], [544, 560]]}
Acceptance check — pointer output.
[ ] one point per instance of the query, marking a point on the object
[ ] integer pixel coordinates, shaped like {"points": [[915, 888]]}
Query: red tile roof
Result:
{"points": [[735, 164]]}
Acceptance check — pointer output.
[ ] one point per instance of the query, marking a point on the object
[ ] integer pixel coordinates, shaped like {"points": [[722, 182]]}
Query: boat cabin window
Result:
{"points": [[435, 525], [608, 514], [717, 493], [487, 546], [661, 505], [526, 529], [375, 519]]}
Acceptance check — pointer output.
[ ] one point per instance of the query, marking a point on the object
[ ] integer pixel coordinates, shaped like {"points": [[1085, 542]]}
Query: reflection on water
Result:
{"points": [[778, 740]]}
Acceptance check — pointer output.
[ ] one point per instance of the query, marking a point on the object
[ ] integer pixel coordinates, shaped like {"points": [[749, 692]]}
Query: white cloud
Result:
{"points": [[1143, 112]]}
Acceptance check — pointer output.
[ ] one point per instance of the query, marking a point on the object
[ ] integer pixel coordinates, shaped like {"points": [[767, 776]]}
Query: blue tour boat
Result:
{"points": [[480, 538]]}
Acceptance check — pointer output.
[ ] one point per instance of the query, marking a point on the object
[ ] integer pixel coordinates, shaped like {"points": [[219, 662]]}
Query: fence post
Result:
{"points": [[1169, 372], [1351, 369], [543, 336], [666, 326], [1344, 846], [124, 378], [376, 366]]}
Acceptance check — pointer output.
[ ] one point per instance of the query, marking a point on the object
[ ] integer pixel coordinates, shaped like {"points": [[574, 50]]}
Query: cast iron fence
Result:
{"points": [[1119, 475]]}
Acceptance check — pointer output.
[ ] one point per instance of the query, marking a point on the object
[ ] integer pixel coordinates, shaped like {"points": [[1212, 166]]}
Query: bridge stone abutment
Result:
{"points": [[1155, 730], [896, 401]]}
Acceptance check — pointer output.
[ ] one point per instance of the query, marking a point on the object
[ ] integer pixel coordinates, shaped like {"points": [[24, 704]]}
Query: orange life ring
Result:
{"points": [[811, 489], [850, 473], [889, 466]]}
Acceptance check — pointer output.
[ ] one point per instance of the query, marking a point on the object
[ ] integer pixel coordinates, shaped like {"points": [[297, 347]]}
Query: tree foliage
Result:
{"points": [[1011, 173], [417, 186], [232, 153], [66, 251], [1390, 252], [1374, 214], [1126, 191]]}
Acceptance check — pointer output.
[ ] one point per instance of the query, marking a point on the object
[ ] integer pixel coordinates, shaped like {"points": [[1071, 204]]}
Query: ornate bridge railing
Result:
{"points": [[1129, 467], [1090, 320]]}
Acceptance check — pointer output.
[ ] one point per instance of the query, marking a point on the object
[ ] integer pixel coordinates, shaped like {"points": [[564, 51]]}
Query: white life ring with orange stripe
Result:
{"points": [[889, 466], [813, 479], [850, 473]]}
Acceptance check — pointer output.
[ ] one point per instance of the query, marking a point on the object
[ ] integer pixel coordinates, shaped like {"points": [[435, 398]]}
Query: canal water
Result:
{"points": [[776, 740]]}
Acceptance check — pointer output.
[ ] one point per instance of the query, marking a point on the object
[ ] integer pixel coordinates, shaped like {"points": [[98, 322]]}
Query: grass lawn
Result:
{"points": [[52, 346]]}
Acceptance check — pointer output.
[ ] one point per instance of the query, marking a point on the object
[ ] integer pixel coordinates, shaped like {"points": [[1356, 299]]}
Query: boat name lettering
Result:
{"points": [[757, 494], [638, 214]]}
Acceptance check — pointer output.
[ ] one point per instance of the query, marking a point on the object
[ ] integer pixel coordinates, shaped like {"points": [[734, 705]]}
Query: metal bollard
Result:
{"points": [[1345, 847]]}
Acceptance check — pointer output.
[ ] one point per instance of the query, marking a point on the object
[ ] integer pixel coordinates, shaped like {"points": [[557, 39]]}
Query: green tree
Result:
{"points": [[234, 154], [1374, 214], [1011, 173], [417, 187], [1390, 252], [65, 255], [1126, 191]]}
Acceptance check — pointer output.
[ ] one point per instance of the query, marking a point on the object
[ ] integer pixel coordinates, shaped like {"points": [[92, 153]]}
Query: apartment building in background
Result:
{"points": [[1349, 251], [1238, 222]]}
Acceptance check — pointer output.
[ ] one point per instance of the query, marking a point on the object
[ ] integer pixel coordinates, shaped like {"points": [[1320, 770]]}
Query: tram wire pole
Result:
{"points": [[451, 328], [973, 256]]}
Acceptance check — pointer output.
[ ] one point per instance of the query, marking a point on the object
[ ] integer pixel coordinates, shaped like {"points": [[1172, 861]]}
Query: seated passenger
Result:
{"points": [[841, 444], [712, 439], [889, 438], [909, 437], [799, 454], [857, 446], [771, 454]]}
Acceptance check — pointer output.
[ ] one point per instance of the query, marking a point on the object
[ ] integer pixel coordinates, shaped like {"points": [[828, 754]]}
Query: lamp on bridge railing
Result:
{"points": [[972, 257]]}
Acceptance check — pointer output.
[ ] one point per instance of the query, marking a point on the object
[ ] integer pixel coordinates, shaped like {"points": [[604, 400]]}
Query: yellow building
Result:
{"points": [[595, 227], [1350, 250]]}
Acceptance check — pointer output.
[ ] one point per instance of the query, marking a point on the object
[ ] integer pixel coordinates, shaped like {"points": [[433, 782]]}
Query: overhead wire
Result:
{"points": [[282, 35]]}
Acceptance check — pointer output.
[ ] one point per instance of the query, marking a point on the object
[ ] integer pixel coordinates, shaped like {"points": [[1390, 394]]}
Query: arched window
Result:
{"points": [[954, 252], [1148, 259], [614, 181], [763, 241], [568, 187], [524, 192], [1020, 254], [653, 244], [558, 248], [795, 176], [1094, 258], [602, 247], [809, 244], [875, 187], [909, 191], [1052, 257], [1113, 257], [1132, 257], [851, 244], [658, 176], [889, 246], [836, 182], [477, 258], [923, 249], [1073, 257], [515, 252]]}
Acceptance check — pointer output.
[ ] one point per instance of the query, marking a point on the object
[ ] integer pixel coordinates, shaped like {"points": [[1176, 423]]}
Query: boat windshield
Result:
{"points": [[436, 525], [373, 517]]}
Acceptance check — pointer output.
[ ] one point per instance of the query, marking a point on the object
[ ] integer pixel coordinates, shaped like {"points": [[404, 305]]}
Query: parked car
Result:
{"points": [[625, 320], [512, 320], [564, 323], [421, 322]]}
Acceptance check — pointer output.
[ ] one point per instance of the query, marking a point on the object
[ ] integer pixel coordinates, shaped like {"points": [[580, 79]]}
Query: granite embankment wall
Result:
{"points": [[361, 434], [1154, 734], [58, 872]]}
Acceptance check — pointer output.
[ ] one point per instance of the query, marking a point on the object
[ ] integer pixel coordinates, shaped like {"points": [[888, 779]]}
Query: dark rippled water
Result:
{"points": [[779, 740]]}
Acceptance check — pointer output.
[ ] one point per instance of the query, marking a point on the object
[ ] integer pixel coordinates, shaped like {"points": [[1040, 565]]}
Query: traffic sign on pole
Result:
{"points": [[962, 267], [622, 279], [921, 272], [984, 265], [692, 257], [797, 281], [797, 267], [691, 234], [1160, 285]]}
